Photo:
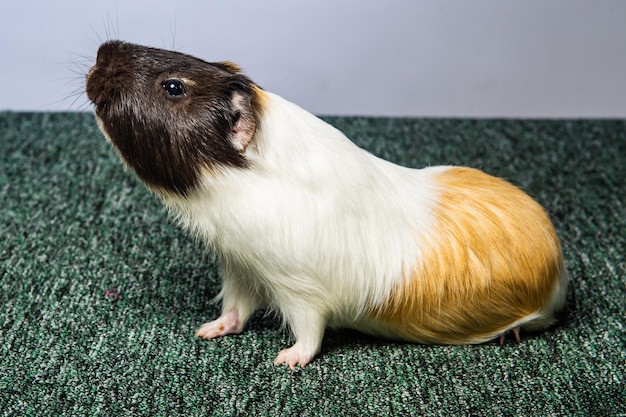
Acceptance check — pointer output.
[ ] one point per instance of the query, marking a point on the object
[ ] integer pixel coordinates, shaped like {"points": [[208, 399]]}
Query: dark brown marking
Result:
{"points": [[169, 141]]}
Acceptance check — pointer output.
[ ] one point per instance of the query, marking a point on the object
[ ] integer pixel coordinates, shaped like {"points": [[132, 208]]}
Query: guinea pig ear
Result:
{"points": [[245, 124], [228, 67]]}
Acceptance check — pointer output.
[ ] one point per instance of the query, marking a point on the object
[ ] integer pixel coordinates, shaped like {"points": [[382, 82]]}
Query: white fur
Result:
{"points": [[316, 228], [545, 317]]}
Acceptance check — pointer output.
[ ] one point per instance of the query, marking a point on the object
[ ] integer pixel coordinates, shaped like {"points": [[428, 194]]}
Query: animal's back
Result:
{"points": [[493, 263]]}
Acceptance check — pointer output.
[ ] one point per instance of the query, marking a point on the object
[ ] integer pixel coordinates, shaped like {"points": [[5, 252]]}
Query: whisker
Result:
{"points": [[95, 32], [74, 96], [173, 32], [78, 68], [117, 22], [112, 28]]}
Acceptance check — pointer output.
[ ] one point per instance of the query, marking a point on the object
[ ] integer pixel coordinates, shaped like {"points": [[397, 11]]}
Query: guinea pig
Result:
{"points": [[316, 229]]}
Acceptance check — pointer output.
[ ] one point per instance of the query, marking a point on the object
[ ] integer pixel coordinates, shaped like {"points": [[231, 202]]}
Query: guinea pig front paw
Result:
{"points": [[298, 354], [228, 323]]}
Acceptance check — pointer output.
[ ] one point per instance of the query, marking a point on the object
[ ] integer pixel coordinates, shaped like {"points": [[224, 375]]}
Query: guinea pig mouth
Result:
{"points": [[90, 90], [96, 86], [104, 88]]}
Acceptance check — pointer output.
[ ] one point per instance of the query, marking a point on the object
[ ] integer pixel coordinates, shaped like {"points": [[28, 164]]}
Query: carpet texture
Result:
{"points": [[100, 294]]}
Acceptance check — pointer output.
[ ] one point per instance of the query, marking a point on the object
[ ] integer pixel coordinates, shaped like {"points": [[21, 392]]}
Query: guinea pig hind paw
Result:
{"points": [[515, 332]]}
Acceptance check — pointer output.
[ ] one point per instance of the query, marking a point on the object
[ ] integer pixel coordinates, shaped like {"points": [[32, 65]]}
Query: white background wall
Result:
{"points": [[530, 58]]}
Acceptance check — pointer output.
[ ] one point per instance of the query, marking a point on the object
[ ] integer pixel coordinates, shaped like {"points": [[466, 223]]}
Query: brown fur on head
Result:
{"points": [[171, 115]]}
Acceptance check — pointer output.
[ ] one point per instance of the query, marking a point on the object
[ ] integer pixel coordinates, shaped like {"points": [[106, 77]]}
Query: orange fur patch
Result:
{"points": [[493, 260], [259, 101]]}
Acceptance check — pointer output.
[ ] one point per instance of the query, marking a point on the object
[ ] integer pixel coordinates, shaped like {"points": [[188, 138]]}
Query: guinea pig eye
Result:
{"points": [[174, 88]]}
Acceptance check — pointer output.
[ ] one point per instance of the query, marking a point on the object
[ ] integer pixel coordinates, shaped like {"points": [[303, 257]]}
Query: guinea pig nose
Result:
{"points": [[107, 51]]}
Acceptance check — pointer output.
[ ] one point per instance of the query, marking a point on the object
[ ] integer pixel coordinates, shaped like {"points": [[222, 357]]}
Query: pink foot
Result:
{"points": [[515, 332], [228, 323], [295, 355]]}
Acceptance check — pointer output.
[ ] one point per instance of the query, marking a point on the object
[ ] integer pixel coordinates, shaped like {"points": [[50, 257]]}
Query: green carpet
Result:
{"points": [[101, 293]]}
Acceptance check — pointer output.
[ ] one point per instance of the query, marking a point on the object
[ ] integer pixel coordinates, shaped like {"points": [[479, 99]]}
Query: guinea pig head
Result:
{"points": [[172, 116]]}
